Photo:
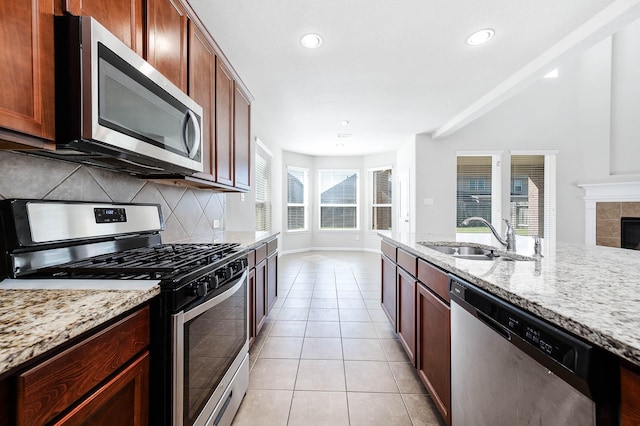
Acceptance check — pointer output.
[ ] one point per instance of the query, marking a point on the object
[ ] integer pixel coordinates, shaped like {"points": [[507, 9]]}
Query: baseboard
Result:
{"points": [[307, 249]]}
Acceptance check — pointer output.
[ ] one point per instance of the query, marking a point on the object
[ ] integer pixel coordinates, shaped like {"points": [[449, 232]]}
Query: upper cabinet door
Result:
{"points": [[27, 102], [167, 40], [242, 139], [202, 89], [224, 124], [122, 17]]}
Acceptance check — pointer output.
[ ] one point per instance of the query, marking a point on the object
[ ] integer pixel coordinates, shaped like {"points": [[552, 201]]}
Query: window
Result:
{"points": [[526, 203], [338, 199], [296, 199], [474, 192], [381, 199], [263, 188]]}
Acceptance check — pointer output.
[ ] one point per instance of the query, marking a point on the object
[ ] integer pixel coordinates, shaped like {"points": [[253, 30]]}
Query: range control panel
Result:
{"points": [[110, 215]]}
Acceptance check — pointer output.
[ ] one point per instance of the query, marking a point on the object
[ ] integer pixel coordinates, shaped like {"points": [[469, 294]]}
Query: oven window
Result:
{"points": [[211, 342]]}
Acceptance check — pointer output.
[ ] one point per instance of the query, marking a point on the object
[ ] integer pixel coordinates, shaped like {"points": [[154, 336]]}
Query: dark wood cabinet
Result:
{"points": [[124, 18], [260, 295], [104, 377], [242, 139], [167, 41], [389, 289], [406, 320], [630, 397], [224, 125], [202, 89], [272, 280], [433, 359], [27, 101], [123, 400]]}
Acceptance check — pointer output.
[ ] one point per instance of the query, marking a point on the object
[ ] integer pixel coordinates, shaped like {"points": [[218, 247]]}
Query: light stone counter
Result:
{"points": [[247, 239], [35, 321], [593, 292]]}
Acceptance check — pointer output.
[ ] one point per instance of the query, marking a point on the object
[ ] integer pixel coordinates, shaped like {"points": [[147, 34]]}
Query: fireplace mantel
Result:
{"points": [[602, 193]]}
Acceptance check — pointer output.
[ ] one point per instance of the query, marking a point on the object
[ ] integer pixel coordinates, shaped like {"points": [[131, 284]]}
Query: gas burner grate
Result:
{"points": [[164, 262]]}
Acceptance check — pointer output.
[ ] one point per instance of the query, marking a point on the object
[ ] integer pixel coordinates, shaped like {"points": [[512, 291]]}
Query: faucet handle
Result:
{"points": [[537, 246]]}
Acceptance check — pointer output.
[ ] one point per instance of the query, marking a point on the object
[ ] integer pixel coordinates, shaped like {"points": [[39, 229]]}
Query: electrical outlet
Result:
{"points": [[216, 223]]}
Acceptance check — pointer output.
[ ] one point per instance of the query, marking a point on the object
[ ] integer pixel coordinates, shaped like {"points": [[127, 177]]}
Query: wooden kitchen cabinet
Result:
{"points": [[260, 306], [103, 379], [167, 42], [406, 319], [272, 274], [202, 89], [242, 139], [224, 124], [122, 401], [27, 103], [124, 18], [630, 397], [433, 355], [389, 289]]}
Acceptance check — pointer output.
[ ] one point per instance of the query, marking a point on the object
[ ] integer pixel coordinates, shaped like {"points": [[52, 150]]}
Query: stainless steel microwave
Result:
{"points": [[114, 110]]}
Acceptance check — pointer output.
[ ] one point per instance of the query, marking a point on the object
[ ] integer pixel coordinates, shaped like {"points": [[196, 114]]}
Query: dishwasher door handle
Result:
{"points": [[497, 327]]}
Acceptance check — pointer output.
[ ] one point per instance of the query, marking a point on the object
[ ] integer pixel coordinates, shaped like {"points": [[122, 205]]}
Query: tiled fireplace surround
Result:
{"points": [[187, 212], [606, 204]]}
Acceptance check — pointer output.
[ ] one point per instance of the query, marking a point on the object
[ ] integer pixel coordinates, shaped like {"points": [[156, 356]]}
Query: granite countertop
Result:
{"points": [[247, 239], [33, 321], [593, 292]]}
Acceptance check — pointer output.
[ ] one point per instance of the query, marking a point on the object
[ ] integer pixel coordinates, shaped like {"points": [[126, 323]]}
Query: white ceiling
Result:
{"points": [[393, 68]]}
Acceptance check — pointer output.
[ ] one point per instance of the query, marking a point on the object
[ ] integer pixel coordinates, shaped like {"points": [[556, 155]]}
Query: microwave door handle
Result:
{"points": [[191, 119]]}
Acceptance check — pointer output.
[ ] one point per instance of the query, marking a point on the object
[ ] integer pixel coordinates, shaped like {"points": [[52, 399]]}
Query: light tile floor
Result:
{"points": [[327, 354]]}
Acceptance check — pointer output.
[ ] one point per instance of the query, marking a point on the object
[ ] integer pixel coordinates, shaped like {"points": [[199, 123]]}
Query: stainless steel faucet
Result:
{"points": [[509, 240]]}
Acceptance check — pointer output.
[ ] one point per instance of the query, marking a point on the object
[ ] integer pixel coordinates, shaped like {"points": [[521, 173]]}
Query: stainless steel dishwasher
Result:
{"points": [[511, 368]]}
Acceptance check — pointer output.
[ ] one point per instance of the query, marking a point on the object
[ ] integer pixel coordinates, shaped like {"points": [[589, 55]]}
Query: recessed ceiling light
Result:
{"points": [[311, 41], [552, 74], [480, 37], [344, 122]]}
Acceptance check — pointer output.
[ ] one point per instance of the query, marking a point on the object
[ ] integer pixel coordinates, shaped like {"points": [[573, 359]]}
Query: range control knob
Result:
{"points": [[223, 273], [198, 289]]}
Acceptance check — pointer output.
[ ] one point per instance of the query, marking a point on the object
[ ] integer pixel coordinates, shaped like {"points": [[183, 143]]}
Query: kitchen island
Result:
{"points": [[593, 292], [589, 291]]}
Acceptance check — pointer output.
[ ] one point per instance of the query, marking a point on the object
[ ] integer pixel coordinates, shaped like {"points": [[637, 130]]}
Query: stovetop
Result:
{"points": [[167, 262]]}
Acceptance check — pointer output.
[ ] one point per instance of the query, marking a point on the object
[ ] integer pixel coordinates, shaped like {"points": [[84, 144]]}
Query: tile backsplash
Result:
{"points": [[608, 217], [187, 212]]}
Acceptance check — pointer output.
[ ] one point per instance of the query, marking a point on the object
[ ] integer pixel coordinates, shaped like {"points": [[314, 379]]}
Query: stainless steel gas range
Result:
{"points": [[199, 357]]}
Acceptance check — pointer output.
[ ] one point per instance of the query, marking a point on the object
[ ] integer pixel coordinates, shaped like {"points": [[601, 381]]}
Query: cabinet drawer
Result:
{"points": [[388, 250], [251, 259], [433, 278], [261, 253], [407, 261], [57, 383], [272, 246]]}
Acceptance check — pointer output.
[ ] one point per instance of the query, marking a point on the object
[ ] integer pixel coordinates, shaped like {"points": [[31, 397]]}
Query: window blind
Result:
{"points": [[473, 197], [263, 190]]}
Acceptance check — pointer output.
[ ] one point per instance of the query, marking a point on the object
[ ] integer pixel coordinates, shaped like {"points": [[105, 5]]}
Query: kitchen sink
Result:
{"points": [[473, 252]]}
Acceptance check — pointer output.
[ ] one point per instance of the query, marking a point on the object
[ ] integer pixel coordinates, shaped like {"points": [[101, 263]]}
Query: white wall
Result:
{"points": [[625, 101], [569, 114]]}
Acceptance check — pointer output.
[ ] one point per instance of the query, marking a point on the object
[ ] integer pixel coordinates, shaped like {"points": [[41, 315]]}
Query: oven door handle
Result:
{"points": [[198, 310]]}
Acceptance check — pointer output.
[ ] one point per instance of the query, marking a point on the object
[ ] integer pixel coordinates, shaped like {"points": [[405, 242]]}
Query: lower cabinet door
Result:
{"points": [[272, 280], [389, 290], [434, 348], [407, 313], [260, 305], [123, 400], [252, 305]]}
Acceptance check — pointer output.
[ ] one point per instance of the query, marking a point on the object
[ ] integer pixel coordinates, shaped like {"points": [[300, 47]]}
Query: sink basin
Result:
{"points": [[473, 252]]}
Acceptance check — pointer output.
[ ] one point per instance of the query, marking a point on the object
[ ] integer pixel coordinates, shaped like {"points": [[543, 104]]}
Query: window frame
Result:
{"points": [[264, 153], [321, 205], [305, 197], [372, 204]]}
